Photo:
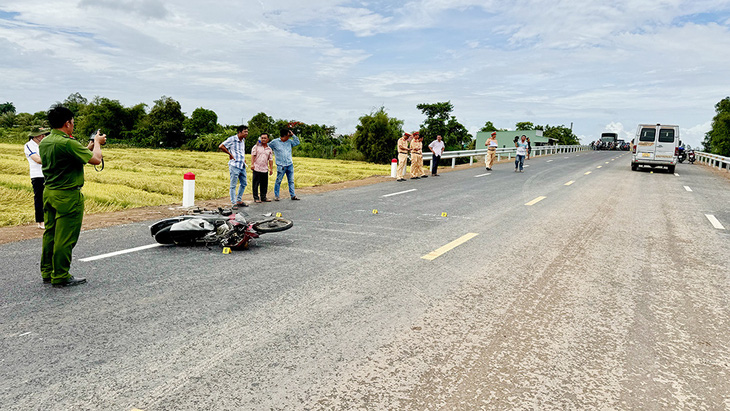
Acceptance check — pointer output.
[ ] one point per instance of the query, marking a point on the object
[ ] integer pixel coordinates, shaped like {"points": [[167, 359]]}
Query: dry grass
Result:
{"points": [[143, 177]]}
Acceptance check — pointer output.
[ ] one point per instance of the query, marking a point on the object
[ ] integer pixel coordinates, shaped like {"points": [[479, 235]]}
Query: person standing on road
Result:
{"points": [[36, 173], [417, 156], [403, 151], [437, 148], [262, 164], [63, 159], [282, 148], [529, 148], [235, 147], [491, 144], [521, 153]]}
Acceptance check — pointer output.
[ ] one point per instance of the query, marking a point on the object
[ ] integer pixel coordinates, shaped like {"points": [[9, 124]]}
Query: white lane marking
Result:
{"points": [[24, 334], [482, 175], [607, 162], [549, 161], [127, 251], [565, 157], [448, 247], [535, 201], [676, 174], [400, 192], [715, 222], [527, 165], [570, 182], [587, 173], [599, 167], [688, 189]]}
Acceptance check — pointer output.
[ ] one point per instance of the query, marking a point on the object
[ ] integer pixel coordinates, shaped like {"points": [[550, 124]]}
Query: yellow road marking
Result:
{"points": [[448, 247], [588, 173], [570, 183], [535, 201], [599, 167]]}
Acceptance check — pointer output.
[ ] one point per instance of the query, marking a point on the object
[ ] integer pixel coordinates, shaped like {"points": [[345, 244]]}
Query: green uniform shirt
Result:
{"points": [[63, 160]]}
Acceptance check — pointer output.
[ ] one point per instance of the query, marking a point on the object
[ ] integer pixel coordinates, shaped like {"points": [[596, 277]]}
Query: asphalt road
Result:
{"points": [[610, 290]]}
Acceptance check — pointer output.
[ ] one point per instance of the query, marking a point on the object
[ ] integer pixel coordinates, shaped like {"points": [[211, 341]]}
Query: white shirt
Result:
{"points": [[36, 170], [522, 148], [493, 143], [437, 147]]}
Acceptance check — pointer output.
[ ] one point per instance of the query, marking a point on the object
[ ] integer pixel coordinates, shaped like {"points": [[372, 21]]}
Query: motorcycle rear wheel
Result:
{"points": [[273, 226]]}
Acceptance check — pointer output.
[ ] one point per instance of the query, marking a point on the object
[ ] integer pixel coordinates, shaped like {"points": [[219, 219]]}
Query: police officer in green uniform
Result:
{"points": [[63, 160]]}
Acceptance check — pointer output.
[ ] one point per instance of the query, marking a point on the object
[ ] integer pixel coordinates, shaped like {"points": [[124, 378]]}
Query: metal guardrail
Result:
{"points": [[713, 160], [504, 151]]}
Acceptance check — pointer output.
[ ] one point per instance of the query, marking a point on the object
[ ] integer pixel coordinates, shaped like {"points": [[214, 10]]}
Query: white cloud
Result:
{"points": [[331, 61]]}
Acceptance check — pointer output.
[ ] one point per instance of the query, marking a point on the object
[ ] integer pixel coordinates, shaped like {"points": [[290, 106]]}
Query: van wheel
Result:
{"points": [[670, 169], [634, 167]]}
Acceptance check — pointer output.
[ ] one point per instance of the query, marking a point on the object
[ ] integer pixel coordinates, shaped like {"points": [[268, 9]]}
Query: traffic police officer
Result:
{"points": [[63, 160]]}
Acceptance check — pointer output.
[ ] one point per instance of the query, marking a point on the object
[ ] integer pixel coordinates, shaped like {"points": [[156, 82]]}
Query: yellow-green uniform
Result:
{"points": [[63, 160]]}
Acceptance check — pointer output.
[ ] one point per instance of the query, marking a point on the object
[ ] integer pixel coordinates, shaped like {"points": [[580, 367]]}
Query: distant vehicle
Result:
{"points": [[608, 141], [656, 145]]}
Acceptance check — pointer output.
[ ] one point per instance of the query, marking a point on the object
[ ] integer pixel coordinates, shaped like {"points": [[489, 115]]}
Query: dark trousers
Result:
{"points": [[260, 184], [435, 164], [37, 183]]}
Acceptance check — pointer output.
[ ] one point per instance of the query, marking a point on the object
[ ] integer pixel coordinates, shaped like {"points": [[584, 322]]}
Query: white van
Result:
{"points": [[656, 145]]}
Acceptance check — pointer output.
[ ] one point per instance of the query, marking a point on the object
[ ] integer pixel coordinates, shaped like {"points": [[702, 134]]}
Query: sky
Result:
{"points": [[596, 65]]}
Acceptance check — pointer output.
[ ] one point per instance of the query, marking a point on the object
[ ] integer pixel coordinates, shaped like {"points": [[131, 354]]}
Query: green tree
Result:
{"points": [[524, 126], [163, 126], [562, 134], [376, 136], [488, 126], [7, 119], [259, 124], [437, 115], [202, 121], [717, 140], [7, 107], [102, 113], [75, 102], [439, 121], [133, 119]]}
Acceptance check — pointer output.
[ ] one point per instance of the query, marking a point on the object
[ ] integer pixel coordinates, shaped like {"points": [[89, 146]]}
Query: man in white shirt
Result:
{"points": [[36, 173], [521, 153], [437, 148]]}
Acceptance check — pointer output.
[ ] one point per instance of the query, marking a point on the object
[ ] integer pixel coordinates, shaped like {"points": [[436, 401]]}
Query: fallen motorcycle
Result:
{"points": [[223, 227]]}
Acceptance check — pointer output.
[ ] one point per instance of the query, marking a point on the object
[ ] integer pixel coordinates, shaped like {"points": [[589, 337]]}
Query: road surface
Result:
{"points": [[577, 284]]}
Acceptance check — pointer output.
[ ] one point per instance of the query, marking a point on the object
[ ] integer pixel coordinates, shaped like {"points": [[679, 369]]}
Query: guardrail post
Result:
{"points": [[471, 160], [453, 162]]}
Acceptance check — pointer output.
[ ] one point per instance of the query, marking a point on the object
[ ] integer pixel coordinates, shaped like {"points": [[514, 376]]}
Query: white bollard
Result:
{"points": [[393, 167], [188, 190]]}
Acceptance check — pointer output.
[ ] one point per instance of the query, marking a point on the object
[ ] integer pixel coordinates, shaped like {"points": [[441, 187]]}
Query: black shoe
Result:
{"points": [[489, 169], [424, 176], [70, 282], [47, 280], [401, 179], [414, 178], [295, 198]]}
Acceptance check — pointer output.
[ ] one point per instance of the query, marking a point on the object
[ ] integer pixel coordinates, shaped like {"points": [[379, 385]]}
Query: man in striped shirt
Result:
{"points": [[235, 147]]}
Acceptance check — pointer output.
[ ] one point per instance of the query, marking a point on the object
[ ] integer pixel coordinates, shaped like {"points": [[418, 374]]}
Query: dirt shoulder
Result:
{"points": [[92, 221]]}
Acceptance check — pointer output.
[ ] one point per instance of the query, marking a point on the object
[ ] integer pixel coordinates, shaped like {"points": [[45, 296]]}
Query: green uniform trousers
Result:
{"points": [[63, 212]]}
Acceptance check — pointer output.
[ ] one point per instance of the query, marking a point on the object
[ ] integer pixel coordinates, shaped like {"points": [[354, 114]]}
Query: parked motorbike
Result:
{"points": [[682, 154], [223, 227], [691, 156]]}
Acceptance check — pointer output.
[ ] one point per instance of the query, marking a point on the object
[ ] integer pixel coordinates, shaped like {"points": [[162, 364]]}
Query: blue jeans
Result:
{"points": [[237, 175], [280, 172], [519, 161]]}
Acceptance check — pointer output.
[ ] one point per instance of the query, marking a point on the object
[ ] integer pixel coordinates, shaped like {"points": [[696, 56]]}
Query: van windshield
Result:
{"points": [[666, 135], [648, 134]]}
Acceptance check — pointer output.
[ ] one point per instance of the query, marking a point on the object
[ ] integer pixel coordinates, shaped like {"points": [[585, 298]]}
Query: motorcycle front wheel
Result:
{"points": [[273, 226]]}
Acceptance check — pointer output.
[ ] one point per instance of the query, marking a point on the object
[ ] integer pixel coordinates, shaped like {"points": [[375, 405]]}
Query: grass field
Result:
{"points": [[144, 177]]}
